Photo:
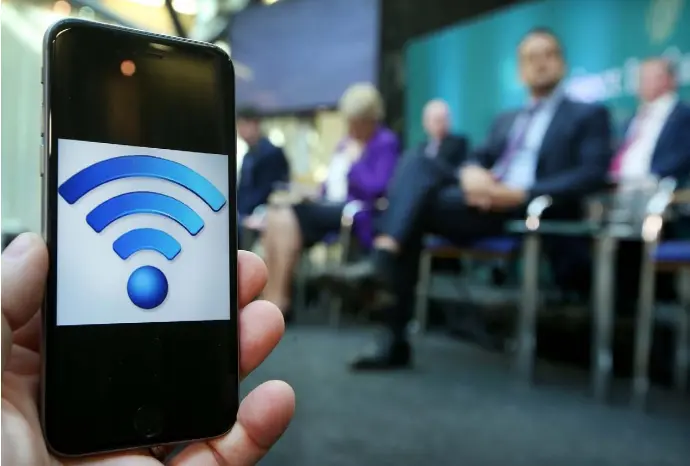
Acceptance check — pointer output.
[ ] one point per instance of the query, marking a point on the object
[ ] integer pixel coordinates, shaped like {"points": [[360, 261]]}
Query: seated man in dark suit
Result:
{"points": [[263, 166], [657, 140], [554, 146], [656, 144], [447, 149]]}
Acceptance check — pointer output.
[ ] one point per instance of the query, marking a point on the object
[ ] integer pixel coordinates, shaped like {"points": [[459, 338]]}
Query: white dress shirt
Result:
{"points": [[645, 128], [522, 170], [432, 147], [338, 170]]}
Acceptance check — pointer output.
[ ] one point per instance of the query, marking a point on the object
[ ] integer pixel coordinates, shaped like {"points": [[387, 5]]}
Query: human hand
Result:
{"points": [[480, 200], [503, 197], [476, 182], [262, 417]]}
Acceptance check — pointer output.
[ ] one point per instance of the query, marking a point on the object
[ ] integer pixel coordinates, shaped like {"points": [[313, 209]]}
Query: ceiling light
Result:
{"points": [[62, 7], [185, 7], [87, 13], [270, 2], [151, 3]]}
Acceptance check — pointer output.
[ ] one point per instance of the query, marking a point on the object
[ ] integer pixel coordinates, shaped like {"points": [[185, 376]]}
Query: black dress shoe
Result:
{"points": [[395, 355]]}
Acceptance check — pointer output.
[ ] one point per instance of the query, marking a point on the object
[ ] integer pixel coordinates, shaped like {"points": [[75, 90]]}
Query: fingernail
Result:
{"points": [[19, 246]]}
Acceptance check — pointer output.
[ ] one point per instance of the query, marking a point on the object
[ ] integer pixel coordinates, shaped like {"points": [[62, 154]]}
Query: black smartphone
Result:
{"points": [[139, 172]]}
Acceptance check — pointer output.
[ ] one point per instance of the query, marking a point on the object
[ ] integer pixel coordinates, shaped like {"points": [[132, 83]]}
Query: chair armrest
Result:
{"points": [[657, 208], [352, 208], [347, 220], [535, 211], [260, 209], [663, 197], [535, 223]]}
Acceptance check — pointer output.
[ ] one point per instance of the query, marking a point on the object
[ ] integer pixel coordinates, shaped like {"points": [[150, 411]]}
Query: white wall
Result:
{"points": [[20, 55]]}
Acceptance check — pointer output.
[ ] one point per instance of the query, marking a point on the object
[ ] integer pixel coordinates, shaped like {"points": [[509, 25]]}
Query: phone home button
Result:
{"points": [[148, 421]]}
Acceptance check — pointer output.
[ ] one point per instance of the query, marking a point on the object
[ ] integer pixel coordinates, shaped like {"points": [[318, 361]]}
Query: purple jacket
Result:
{"points": [[369, 177]]}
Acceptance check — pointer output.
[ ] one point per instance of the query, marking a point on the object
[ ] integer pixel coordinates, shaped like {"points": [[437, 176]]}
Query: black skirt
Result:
{"points": [[317, 220]]}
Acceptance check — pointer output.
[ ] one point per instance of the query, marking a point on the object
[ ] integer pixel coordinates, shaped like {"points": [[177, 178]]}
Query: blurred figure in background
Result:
{"points": [[264, 165], [448, 149], [657, 144], [657, 140], [553, 146], [360, 169]]}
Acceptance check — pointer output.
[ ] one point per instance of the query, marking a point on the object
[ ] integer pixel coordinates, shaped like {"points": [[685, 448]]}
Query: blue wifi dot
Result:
{"points": [[147, 287]]}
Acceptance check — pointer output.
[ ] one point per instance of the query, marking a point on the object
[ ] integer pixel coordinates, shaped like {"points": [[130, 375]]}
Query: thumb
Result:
{"points": [[24, 271]]}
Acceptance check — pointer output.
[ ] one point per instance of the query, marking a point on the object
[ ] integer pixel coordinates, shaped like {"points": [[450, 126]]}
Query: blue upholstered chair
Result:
{"points": [[670, 256], [436, 247]]}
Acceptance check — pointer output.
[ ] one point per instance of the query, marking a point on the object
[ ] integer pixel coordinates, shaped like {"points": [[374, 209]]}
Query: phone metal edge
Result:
{"points": [[45, 144]]}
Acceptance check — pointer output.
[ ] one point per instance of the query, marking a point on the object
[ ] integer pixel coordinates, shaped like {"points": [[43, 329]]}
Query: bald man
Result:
{"points": [[449, 149], [656, 143], [657, 140]]}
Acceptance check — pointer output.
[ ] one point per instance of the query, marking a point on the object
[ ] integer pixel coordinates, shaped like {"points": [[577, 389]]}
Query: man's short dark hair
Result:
{"points": [[248, 114], [542, 31]]}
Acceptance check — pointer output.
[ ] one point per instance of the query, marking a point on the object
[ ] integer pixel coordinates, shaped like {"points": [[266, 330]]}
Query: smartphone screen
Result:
{"points": [[140, 317]]}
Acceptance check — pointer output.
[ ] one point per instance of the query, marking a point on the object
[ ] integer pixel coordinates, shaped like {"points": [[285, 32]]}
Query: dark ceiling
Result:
{"points": [[405, 19]]}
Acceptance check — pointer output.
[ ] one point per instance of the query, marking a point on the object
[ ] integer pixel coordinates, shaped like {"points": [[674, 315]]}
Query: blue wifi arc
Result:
{"points": [[147, 286]]}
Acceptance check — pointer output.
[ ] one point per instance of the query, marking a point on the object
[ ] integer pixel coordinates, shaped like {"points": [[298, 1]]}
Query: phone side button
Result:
{"points": [[41, 159], [148, 421]]}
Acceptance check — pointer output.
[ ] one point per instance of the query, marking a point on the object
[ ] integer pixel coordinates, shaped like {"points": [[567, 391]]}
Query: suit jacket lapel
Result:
{"points": [[658, 154], [443, 147], [558, 121], [503, 134]]}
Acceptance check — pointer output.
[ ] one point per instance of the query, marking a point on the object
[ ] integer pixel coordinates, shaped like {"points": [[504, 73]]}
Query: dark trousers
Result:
{"points": [[425, 198]]}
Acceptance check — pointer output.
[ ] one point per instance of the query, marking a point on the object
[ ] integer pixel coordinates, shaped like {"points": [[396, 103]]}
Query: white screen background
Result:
{"points": [[91, 277]]}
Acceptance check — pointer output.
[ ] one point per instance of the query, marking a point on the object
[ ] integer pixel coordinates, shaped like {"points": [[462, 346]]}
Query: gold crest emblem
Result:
{"points": [[662, 18]]}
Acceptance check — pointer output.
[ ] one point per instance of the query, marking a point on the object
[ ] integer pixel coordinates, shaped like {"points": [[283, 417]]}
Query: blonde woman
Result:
{"points": [[360, 169]]}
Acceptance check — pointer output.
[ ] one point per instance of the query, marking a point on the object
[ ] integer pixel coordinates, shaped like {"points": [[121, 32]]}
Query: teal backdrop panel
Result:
{"points": [[473, 65]]}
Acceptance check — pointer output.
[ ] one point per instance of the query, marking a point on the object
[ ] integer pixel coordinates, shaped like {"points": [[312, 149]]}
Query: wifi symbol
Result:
{"points": [[147, 286]]}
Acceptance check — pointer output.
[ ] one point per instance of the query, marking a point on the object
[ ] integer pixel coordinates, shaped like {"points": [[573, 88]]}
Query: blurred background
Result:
{"points": [[461, 404]]}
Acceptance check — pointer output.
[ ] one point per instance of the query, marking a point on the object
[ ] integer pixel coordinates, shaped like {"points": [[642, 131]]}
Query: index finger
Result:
{"points": [[251, 277]]}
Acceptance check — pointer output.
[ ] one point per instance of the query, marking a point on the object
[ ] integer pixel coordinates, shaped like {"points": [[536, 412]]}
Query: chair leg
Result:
{"points": [[526, 331], [336, 305], [422, 299], [645, 326], [603, 306], [682, 356], [301, 283]]}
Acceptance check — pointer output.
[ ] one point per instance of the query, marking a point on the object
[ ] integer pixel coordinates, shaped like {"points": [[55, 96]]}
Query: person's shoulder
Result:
{"points": [[503, 120], [683, 108], [586, 109], [456, 137], [506, 115], [271, 149], [385, 138]]}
